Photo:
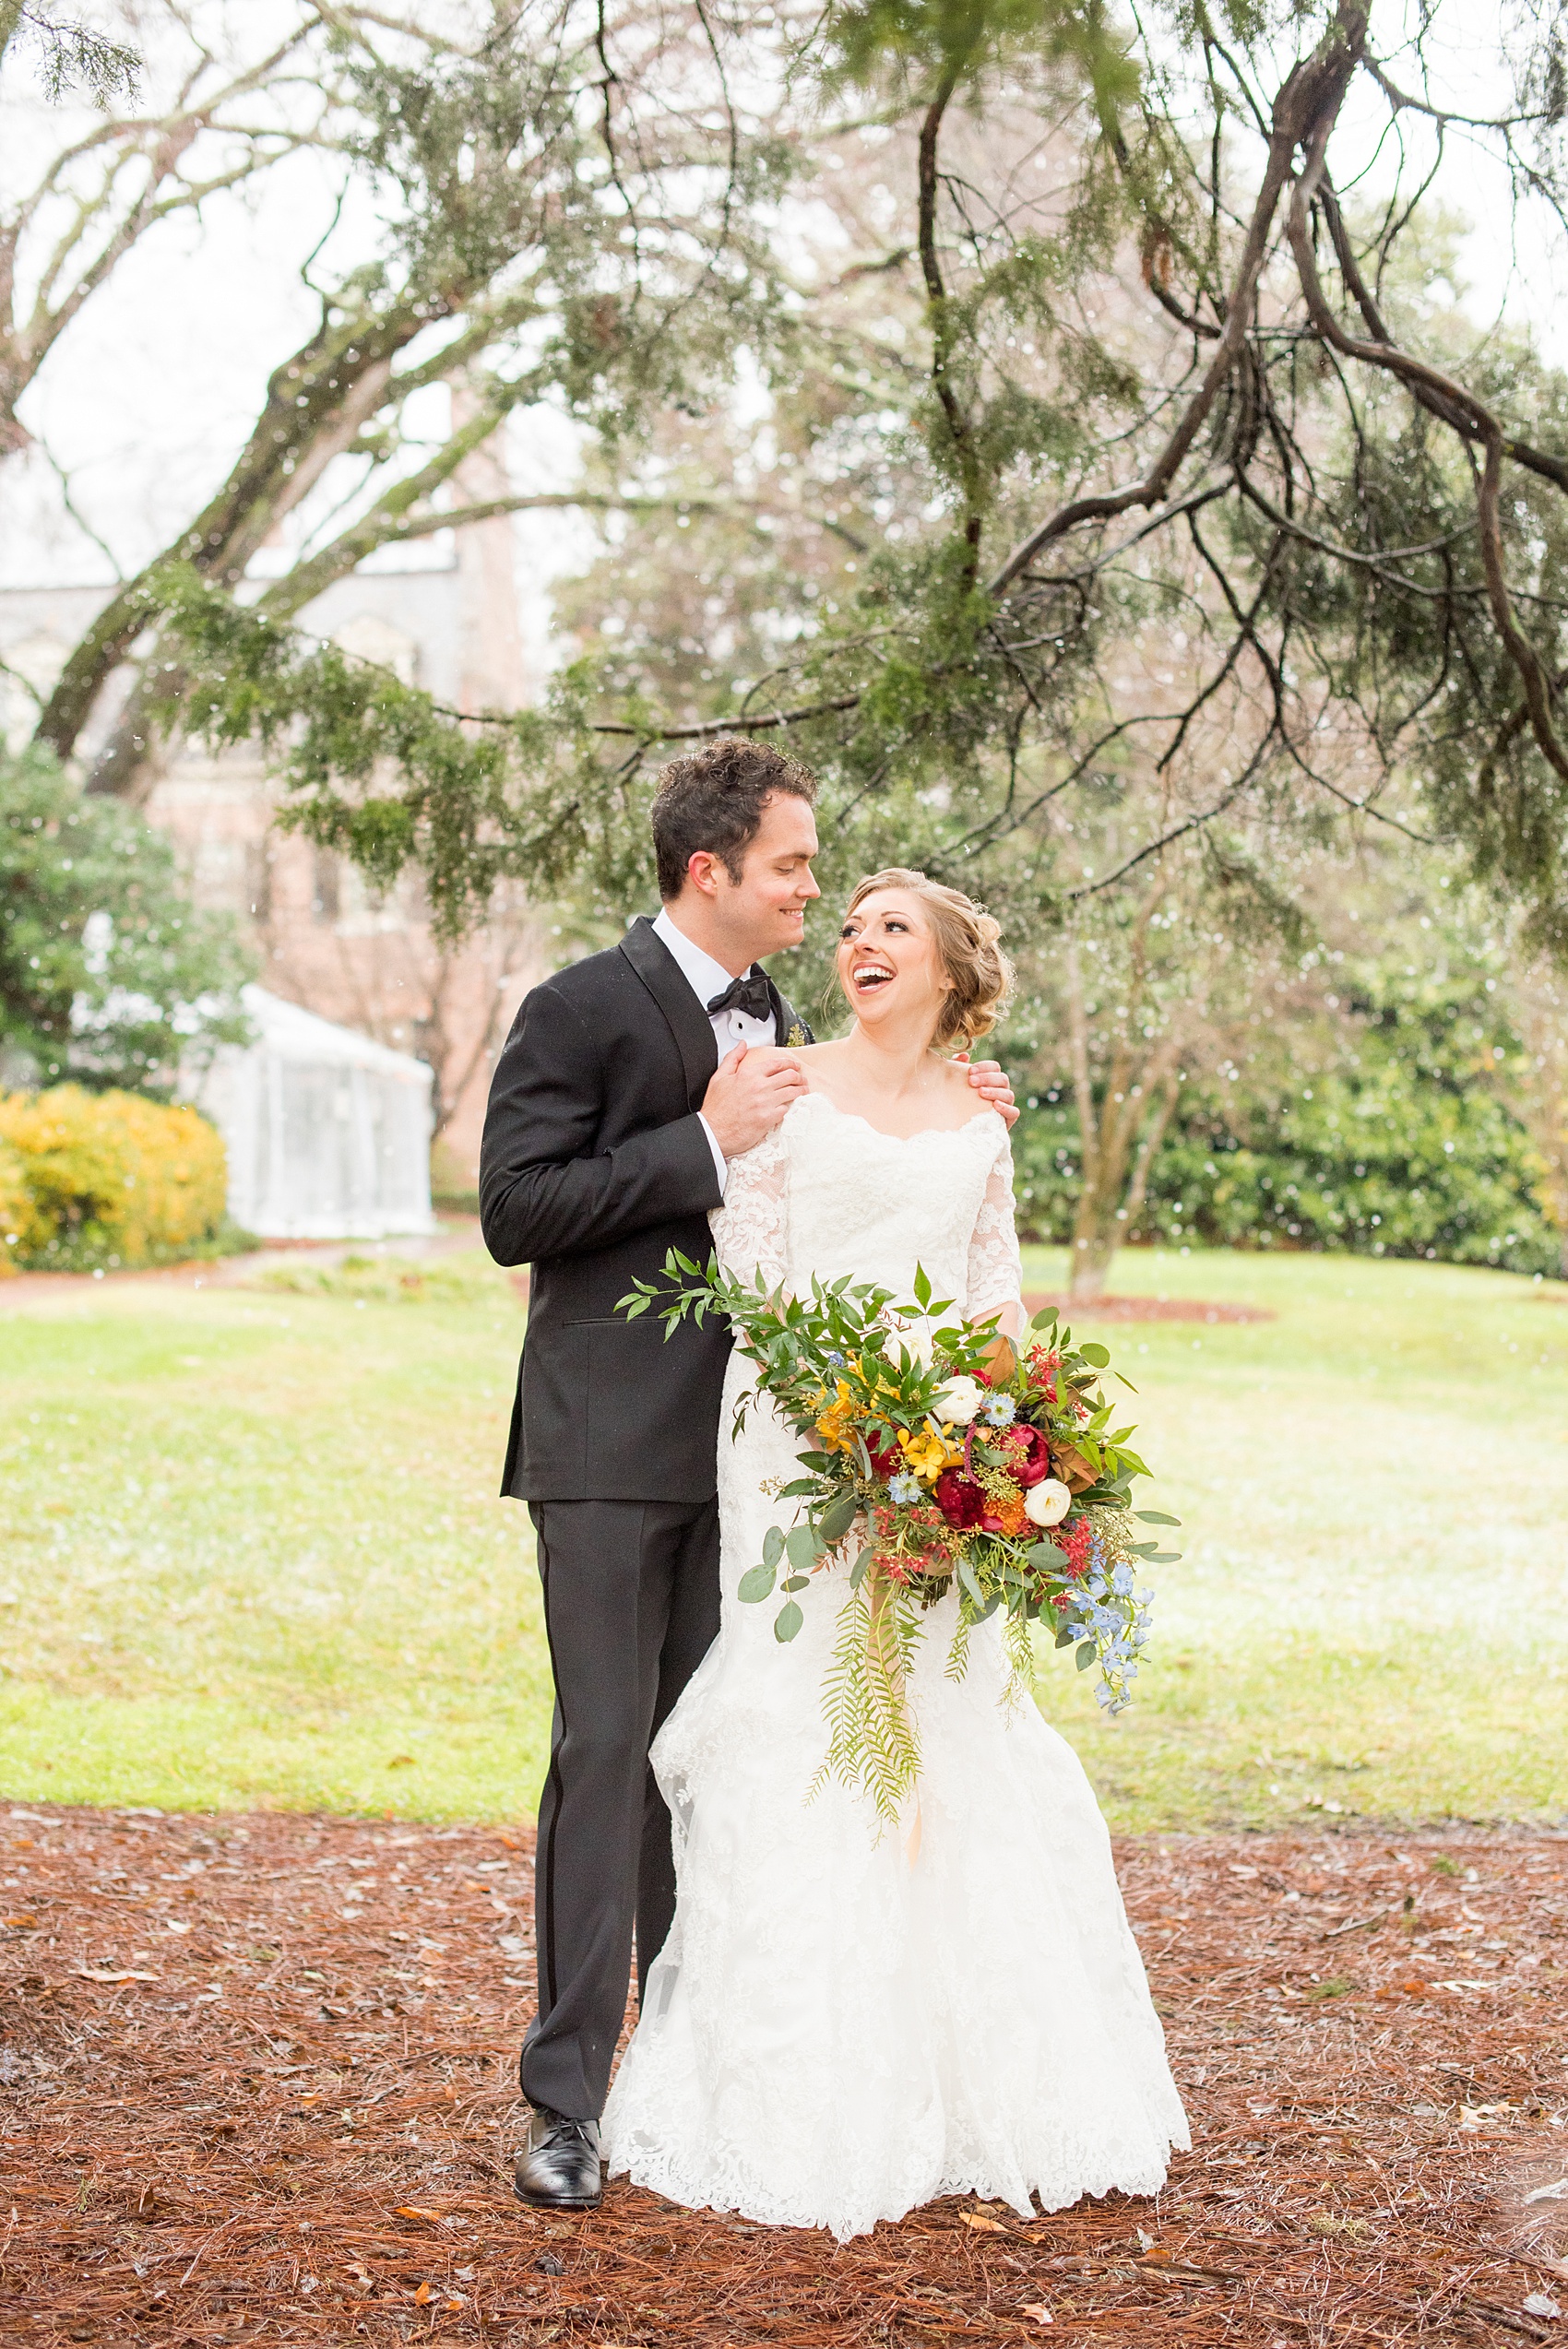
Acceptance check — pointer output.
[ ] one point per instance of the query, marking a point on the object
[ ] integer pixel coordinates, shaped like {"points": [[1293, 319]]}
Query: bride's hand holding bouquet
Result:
{"points": [[939, 1453]]}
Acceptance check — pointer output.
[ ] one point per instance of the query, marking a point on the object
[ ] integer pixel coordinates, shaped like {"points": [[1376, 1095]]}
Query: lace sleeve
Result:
{"points": [[995, 1271], [749, 1228]]}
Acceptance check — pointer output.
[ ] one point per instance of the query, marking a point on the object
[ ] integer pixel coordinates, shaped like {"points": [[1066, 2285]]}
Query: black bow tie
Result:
{"points": [[753, 993]]}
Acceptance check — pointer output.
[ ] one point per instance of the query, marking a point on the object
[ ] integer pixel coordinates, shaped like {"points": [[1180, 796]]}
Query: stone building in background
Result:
{"points": [[447, 619]]}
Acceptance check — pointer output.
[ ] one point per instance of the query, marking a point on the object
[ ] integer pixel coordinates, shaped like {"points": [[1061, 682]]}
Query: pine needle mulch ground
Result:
{"points": [[257, 2085]]}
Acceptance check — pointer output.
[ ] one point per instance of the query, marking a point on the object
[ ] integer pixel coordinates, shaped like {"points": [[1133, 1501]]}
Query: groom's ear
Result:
{"points": [[702, 872]]}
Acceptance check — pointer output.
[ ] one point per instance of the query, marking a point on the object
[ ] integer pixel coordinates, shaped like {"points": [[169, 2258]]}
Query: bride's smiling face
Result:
{"points": [[888, 963]]}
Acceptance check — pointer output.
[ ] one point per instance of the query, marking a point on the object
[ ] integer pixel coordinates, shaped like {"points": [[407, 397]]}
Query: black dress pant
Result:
{"points": [[631, 1606]]}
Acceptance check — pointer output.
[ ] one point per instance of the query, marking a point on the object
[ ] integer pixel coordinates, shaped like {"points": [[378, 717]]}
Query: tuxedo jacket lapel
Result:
{"points": [[690, 1024], [788, 1023]]}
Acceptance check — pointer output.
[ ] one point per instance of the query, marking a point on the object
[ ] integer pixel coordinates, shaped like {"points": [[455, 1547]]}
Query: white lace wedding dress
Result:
{"points": [[843, 2025]]}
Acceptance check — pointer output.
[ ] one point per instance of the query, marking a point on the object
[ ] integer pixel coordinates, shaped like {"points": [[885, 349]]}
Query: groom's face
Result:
{"points": [[764, 911]]}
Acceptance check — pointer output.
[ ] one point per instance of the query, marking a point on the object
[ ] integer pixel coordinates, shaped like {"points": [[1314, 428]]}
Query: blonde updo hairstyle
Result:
{"points": [[968, 945]]}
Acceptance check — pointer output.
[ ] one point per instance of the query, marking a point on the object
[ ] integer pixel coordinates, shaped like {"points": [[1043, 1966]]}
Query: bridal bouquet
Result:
{"points": [[939, 1455]]}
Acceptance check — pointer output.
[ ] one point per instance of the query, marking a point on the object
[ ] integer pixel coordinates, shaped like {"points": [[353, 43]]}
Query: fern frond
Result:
{"points": [[872, 1742]]}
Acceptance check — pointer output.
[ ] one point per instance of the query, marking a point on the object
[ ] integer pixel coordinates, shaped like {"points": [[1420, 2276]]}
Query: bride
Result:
{"points": [[841, 2026]]}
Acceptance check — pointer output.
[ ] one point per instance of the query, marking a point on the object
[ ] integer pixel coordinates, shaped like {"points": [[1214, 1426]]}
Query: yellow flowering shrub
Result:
{"points": [[17, 1212], [107, 1179]]}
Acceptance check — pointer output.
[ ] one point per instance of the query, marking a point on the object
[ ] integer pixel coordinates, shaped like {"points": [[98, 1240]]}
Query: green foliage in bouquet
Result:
{"points": [[940, 1457]]}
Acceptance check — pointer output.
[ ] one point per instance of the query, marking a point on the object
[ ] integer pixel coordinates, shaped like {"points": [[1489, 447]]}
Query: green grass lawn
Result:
{"points": [[249, 1551]]}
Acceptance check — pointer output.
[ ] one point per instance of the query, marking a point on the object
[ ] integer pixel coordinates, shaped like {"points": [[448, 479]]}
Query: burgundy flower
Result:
{"points": [[886, 1459], [959, 1497], [1032, 1462]]}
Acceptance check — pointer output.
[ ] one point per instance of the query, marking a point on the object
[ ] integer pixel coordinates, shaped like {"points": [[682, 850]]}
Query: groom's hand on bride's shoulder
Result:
{"points": [[747, 1094], [990, 1078]]}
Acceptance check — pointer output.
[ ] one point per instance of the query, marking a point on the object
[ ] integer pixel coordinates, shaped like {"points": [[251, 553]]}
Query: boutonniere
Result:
{"points": [[796, 1037]]}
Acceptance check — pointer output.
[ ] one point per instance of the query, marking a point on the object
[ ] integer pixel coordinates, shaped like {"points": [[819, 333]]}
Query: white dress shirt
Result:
{"points": [[707, 979]]}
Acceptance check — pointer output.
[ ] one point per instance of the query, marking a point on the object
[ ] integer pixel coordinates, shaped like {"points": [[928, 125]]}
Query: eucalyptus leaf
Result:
{"points": [[1154, 1517], [772, 1546], [970, 1581], [786, 1623], [1065, 1636], [1099, 1355], [1165, 1557], [1086, 1655], [1046, 1553], [758, 1583], [794, 1582], [801, 1547], [1045, 1317], [838, 1516], [858, 1569]]}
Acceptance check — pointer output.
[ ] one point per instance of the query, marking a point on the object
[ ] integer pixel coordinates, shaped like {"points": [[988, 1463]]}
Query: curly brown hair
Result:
{"points": [[713, 799], [969, 941]]}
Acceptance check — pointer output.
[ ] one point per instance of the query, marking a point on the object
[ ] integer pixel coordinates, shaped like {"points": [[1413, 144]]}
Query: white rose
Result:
{"points": [[917, 1343], [959, 1402], [1048, 1503]]}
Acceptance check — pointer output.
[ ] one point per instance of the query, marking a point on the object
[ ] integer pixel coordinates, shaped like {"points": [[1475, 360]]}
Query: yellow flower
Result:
{"points": [[927, 1453], [831, 1423]]}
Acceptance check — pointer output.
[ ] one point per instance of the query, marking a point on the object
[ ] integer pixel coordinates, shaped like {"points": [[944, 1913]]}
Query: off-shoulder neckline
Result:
{"points": [[925, 1133]]}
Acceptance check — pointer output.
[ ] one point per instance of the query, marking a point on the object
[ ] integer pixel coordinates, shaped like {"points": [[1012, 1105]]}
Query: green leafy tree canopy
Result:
{"points": [[108, 975]]}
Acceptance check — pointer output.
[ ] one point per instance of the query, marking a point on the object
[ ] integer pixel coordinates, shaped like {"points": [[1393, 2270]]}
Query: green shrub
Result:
{"points": [[106, 1179], [108, 974], [1379, 1171], [1387, 1139]]}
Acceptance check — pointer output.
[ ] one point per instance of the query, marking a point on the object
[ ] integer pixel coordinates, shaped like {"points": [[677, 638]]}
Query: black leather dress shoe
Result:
{"points": [[558, 2167]]}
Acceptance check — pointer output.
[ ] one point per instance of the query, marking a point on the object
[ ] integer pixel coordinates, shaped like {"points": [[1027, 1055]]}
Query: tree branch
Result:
{"points": [[1312, 95]]}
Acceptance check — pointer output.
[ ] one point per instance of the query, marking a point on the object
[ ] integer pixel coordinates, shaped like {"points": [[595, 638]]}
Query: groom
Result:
{"points": [[625, 1087]]}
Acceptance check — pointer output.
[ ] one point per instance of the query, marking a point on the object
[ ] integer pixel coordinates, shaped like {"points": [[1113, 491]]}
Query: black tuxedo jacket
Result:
{"points": [[594, 1165]]}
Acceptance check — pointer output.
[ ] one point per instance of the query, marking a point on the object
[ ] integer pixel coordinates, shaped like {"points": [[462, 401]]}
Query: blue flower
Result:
{"points": [[1000, 1410], [837, 1361], [903, 1490], [1121, 1581]]}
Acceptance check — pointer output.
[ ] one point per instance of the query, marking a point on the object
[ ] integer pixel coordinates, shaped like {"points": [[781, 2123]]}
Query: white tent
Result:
{"points": [[327, 1131]]}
